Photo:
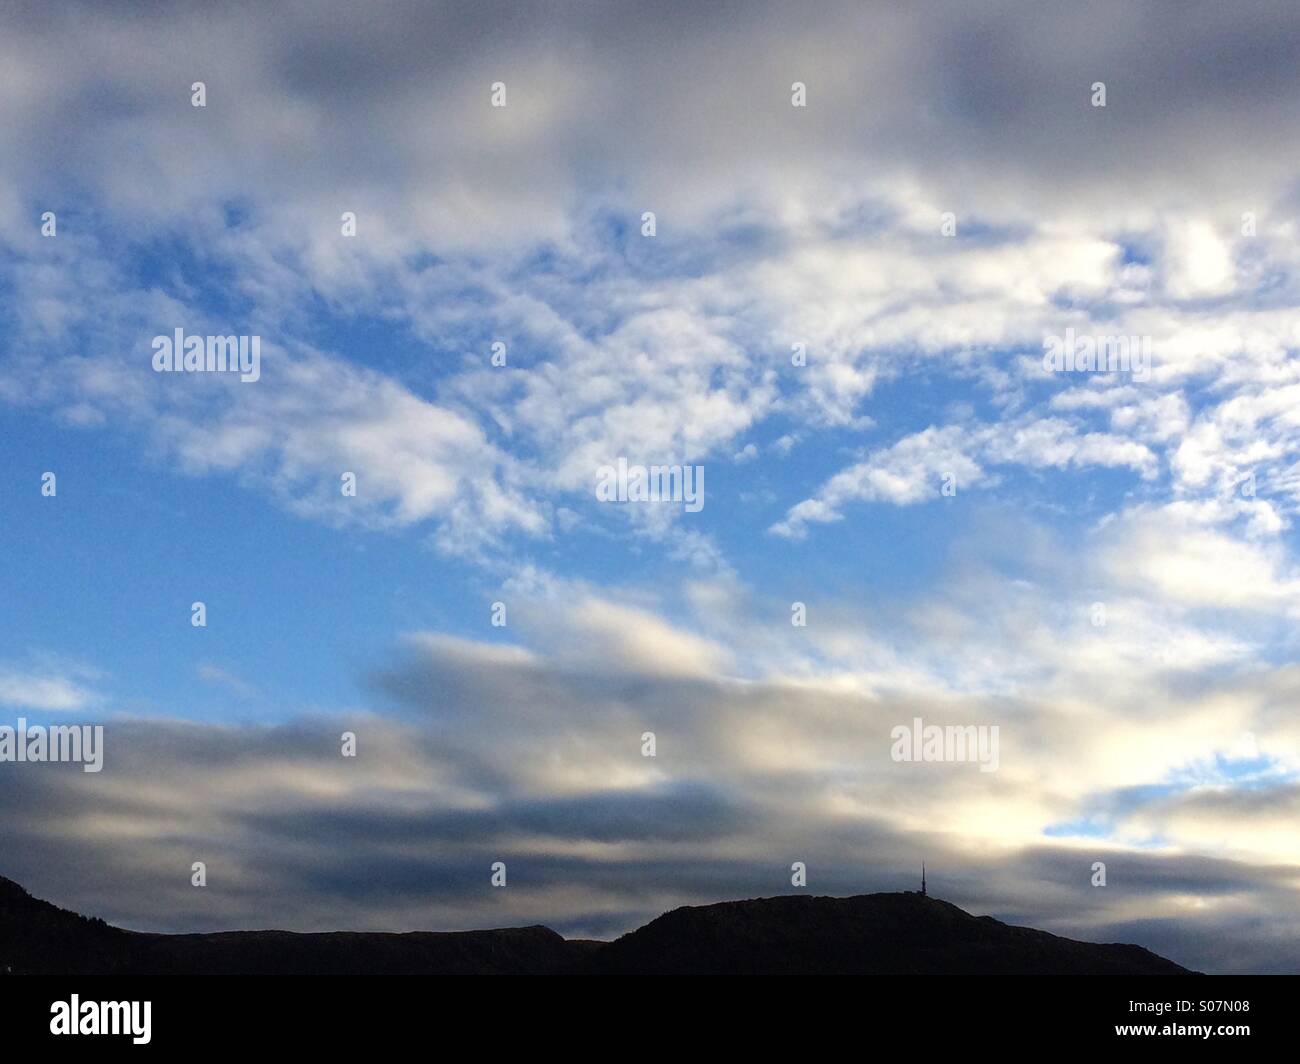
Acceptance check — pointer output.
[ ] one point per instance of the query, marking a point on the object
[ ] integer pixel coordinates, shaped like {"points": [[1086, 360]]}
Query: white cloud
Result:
{"points": [[1199, 261], [25, 689]]}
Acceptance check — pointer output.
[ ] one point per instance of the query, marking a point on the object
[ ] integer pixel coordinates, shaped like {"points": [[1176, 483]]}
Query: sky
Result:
{"points": [[869, 224]]}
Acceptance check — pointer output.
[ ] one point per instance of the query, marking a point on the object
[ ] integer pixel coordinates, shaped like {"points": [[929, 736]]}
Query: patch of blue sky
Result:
{"points": [[111, 566], [1221, 772]]}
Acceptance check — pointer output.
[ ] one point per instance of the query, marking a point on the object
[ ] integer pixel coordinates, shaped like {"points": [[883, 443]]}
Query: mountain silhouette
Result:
{"points": [[902, 933], [869, 934]]}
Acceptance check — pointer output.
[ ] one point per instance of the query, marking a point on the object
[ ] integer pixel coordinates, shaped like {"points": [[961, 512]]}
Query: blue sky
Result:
{"points": [[1159, 739]]}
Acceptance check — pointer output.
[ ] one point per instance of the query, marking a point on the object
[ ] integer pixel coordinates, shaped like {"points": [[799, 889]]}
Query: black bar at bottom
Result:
{"points": [[579, 1015]]}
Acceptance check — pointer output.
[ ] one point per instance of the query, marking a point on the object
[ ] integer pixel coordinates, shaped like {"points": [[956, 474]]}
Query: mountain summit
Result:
{"points": [[868, 934]]}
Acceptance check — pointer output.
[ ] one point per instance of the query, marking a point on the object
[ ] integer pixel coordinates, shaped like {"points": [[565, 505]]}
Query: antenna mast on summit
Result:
{"points": [[923, 879]]}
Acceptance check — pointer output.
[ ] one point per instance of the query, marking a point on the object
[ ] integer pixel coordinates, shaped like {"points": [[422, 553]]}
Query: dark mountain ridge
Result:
{"points": [[868, 934], [885, 934]]}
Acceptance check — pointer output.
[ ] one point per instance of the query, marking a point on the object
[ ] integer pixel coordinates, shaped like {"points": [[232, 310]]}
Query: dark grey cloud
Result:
{"points": [[295, 836], [310, 103], [691, 812]]}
